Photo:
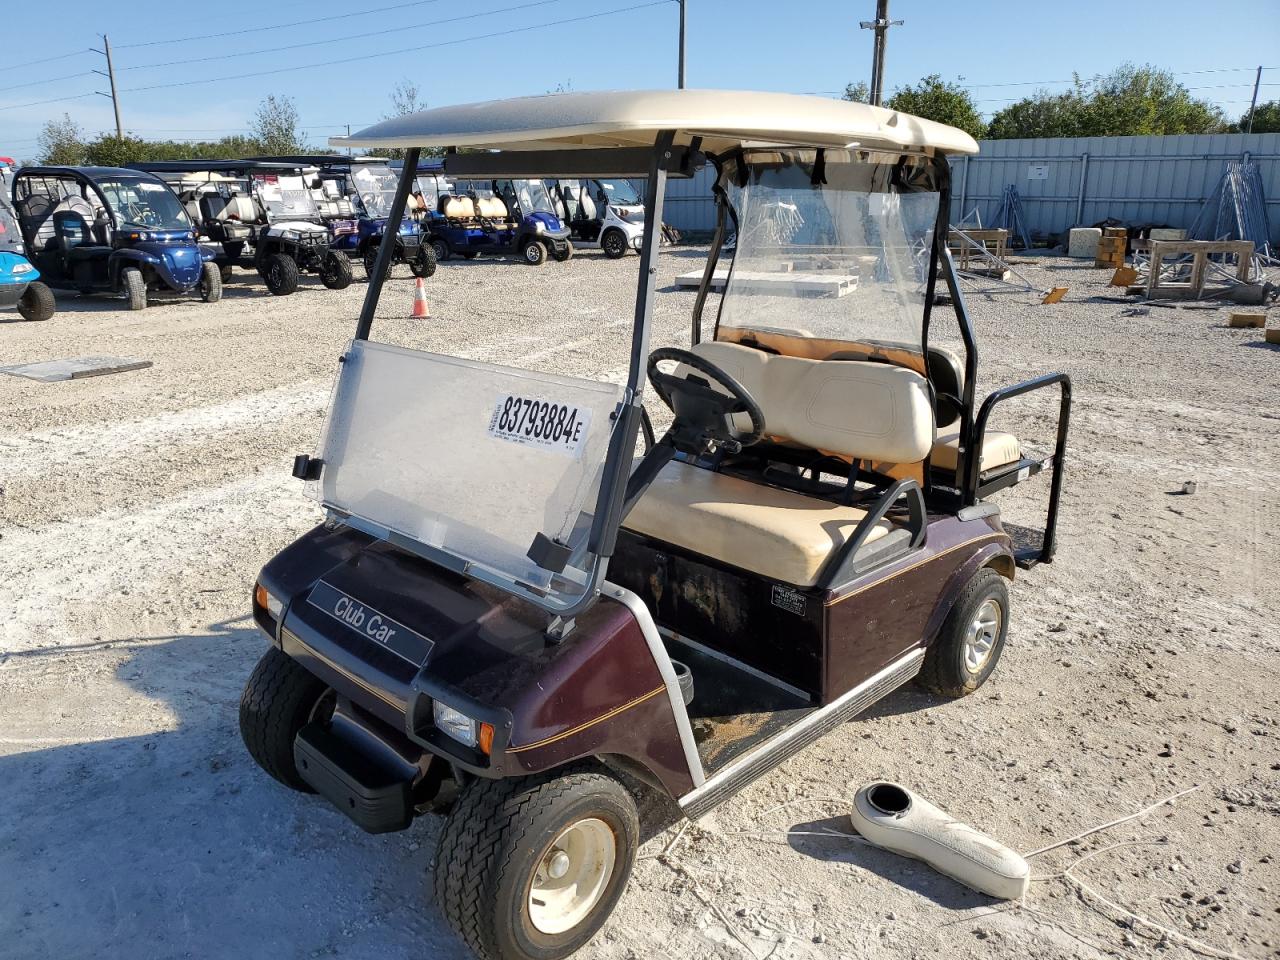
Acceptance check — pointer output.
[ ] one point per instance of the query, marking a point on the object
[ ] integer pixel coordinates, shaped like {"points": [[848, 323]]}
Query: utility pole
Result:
{"points": [[680, 74], [1257, 82], [111, 76], [880, 25]]}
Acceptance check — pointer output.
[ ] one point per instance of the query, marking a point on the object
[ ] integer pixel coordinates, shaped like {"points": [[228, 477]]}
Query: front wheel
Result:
{"points": [[530, 868], [535, 254], [442, 251], [210, 283], [335, 270], [135, 288], [562, 254], [968, 646], [424, 265], [614, 244], [37, 302], [280, 274], [280, 699]]}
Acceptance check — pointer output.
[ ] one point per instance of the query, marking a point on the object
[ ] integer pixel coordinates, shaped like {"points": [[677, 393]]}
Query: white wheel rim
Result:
{"points": [[571, 876], [981, 635]]}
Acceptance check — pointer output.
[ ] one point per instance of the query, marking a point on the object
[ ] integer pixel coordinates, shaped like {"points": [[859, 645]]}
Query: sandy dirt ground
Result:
{"points": [[136, 509]]}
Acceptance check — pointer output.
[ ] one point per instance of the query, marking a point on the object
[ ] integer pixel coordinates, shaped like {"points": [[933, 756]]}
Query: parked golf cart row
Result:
{"points": [[265, 212], [533, 218]]}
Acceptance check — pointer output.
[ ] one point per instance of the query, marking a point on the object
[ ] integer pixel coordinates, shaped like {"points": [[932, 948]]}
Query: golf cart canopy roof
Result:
{"points": [[724, 120], [213, 166]]}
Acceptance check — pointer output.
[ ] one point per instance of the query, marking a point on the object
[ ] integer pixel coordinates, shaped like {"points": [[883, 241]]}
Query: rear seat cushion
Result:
{"points": [[460, 208], [872, 411], [778, 534], [998, 449]]}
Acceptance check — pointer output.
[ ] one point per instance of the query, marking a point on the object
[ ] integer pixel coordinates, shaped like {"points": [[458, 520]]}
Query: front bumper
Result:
{"points": [[11, 293]]}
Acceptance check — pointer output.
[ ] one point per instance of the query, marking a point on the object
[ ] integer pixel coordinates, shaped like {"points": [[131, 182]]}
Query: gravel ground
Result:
{"points": [[135, 510]]}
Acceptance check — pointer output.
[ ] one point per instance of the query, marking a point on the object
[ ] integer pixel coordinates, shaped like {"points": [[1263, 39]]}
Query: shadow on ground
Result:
{"points": [[175, 844]]}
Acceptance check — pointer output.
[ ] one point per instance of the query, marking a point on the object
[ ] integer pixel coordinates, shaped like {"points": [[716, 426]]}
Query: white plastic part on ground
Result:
{"points": [[891, 816]]}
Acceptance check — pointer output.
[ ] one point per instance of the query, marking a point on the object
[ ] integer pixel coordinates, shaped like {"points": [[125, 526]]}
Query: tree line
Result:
{"points": [[1130, 101]]}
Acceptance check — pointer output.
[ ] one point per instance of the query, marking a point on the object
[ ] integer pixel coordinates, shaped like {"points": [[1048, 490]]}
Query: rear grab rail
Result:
{"points": [[976, 489]]}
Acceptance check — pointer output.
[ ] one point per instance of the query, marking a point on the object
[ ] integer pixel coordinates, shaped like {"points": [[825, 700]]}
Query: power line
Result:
{"points": [[344, 39], [40, 60], [391, 53], [40, 83], [278, 26], [37, 103]]}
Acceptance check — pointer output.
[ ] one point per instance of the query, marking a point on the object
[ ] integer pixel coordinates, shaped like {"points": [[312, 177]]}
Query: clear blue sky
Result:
{"points": [[813, 46]]}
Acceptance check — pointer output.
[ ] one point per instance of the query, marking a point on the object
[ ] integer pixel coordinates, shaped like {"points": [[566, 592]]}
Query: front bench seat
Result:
{"points": [[870, 411], [778, 534]]}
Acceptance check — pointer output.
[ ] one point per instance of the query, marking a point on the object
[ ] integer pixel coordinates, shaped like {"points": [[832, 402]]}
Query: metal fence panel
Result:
{"points": [[1070, 181]]}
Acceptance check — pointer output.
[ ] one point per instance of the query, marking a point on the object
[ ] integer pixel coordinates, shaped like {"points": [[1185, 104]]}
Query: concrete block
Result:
{"points": [[1242, 318], [1167, 233], [1083, 242]]}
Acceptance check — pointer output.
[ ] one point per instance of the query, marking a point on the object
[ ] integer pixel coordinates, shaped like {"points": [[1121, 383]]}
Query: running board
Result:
{"points": [[743, 772]]}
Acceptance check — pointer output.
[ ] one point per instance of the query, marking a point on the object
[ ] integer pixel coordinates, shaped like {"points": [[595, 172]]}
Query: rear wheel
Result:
{"points": [[280, 273], [470, 255], [424, 264], [37, 302], [535, 254], [280, 698], [335, 270], [225, 271], [969, 645], [233, 249], [530, 868], [135, 288], [442, 250], [210, 283], [614, 244]]}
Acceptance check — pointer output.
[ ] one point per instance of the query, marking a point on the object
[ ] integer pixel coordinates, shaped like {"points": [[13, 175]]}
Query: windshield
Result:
{"points": [[621, 193], [10, 236], [375, 184], [144, 203], [287, 197], [431, 187], [839, 252], [532, 196]]}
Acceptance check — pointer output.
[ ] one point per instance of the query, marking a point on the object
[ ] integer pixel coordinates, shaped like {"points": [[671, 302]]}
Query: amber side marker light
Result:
{"points": [[260, 595], [485, 739]]}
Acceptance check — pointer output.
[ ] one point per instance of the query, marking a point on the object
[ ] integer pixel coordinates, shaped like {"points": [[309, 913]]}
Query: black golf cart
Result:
{"points": [[100, 229], [513, 617]]}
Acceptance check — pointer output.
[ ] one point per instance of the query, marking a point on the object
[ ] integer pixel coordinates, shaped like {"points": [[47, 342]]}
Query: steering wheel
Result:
{"points": [[701, 408]]}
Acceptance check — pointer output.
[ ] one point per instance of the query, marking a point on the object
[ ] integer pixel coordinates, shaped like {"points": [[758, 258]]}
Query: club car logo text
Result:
{"points": [[378, 627]]}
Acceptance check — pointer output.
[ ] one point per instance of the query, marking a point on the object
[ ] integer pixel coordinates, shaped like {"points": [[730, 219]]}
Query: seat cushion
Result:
{"points": [[998, 449], [778, 534]]}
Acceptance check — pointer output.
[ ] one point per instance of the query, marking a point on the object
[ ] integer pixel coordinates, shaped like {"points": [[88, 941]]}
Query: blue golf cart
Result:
{"points": [[111, 230], [20, 284], [468, 218]]}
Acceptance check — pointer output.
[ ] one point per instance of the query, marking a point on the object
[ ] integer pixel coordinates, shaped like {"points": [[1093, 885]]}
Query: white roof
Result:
{"points": [[725, 119]]}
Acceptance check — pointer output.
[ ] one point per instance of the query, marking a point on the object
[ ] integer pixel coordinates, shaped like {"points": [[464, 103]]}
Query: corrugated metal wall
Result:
{"points": [[1144, 180]]}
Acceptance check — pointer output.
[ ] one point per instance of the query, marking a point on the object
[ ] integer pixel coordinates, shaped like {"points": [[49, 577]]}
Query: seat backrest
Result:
{"points": [[946, 371], [492, 208], [460, 208], [855, 408]]}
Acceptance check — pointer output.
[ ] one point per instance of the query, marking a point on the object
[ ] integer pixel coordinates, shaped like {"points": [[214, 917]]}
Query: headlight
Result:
{"points": [[268, 601], [539, 227], [454, 724], [23, 268]]}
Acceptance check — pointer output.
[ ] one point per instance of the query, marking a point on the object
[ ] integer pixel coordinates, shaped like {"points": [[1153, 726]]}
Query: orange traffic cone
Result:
{"points": [[420, 301]]}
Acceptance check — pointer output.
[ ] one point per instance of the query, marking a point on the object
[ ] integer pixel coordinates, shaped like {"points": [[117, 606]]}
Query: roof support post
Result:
{"points": [[387, 248], [622, 444]]}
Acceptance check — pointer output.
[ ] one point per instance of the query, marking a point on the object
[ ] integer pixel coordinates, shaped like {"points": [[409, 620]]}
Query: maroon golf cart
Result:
{"points": [[525, 606]]}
